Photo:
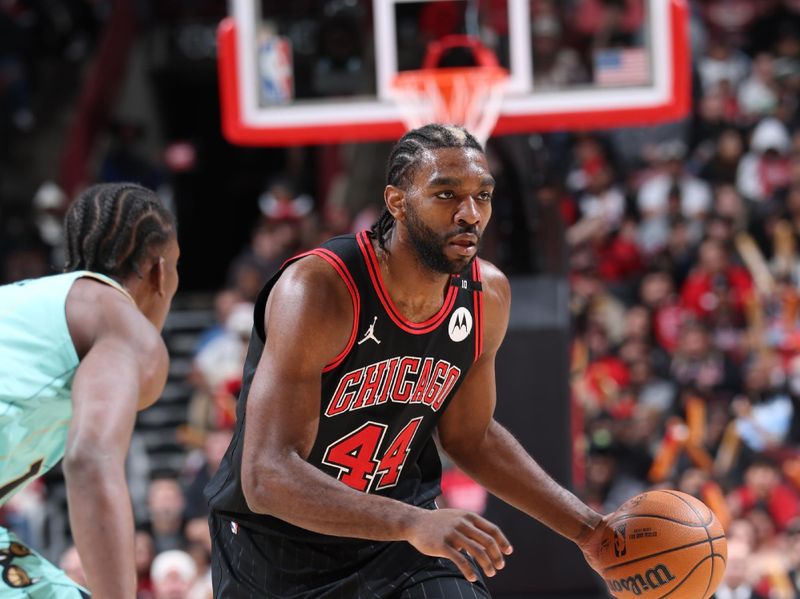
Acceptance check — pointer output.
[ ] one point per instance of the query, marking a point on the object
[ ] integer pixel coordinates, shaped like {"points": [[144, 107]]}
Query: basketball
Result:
{"points": [[663, 543]]}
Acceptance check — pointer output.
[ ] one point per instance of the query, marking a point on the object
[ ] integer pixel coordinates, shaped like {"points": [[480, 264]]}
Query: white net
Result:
{"points": [[466, 96]]}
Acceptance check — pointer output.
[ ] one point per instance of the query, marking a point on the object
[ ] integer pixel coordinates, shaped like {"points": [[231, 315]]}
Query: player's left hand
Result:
{"points": [[590, 543]]}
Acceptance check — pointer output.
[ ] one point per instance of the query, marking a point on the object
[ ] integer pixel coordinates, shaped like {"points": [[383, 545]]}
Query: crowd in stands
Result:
{"points": [[684, 269], [685, 290]]}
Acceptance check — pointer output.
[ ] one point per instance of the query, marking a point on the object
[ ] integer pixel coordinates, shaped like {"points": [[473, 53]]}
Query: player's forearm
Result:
{"points": [[279, 488], [101, 520], [503, 467]]}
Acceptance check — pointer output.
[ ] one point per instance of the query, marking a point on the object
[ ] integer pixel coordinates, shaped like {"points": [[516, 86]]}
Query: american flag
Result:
{"points": [[621, 66]]}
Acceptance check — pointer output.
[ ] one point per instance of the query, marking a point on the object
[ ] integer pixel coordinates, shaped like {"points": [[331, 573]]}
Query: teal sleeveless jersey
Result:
{"points": [[37, 364]]}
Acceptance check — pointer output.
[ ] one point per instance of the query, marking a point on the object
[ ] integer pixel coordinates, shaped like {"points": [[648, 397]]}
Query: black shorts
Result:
{"points": [[247, 564]]}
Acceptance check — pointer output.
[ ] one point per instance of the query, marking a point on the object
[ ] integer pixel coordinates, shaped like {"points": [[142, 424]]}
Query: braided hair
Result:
{"points": [[404, 160], [111, 226]]}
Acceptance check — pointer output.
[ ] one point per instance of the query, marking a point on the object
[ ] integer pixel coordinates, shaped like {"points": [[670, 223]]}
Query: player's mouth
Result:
{"points": [[465, 245]]}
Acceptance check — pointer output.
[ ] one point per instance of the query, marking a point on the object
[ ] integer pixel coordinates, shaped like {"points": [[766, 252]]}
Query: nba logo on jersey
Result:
{"points": [[234, 528], [460, 324]]}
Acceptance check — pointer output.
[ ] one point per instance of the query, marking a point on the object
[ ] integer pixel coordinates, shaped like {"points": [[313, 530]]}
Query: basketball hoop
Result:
{"points": [[466, 96]]}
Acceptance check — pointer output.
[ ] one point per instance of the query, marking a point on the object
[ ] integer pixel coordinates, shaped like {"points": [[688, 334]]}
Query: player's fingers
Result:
{"points": [[488, 543], [462, 563], [495, 532], [478, 553]]}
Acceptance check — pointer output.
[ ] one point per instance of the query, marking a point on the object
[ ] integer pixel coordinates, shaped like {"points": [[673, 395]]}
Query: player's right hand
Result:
{"points": [[448, 533]]}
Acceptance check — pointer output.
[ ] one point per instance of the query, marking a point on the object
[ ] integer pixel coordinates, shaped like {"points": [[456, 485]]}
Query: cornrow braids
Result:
{"points": [[404, 159], [110, 228]]}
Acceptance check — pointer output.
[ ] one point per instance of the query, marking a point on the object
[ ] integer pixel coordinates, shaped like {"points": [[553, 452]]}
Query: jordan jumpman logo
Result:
{"points": [[370, 334]]}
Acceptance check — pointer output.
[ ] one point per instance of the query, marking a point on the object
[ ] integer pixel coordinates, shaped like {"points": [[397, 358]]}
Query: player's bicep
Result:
{"points": [[105, 397], [308, 319], [468, 415]]}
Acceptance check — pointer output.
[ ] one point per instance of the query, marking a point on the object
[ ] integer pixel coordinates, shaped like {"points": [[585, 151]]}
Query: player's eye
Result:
{"points": [[485, 196], [446, 195]]}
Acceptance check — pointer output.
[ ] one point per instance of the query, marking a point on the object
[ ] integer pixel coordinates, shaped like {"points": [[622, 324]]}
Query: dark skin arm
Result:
{"points": [[123, 367], [487, 452], [309, 318]]}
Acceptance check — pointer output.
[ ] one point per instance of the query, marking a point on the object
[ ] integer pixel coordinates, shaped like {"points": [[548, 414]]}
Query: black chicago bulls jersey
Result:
{"points": [[382, 396]]}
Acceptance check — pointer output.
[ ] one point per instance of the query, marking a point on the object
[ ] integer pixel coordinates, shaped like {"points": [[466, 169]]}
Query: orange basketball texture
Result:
{"points": [[663, 544]]}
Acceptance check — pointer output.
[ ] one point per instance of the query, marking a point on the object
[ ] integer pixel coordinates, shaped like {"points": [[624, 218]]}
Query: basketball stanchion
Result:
{"points": [[469, 96]]}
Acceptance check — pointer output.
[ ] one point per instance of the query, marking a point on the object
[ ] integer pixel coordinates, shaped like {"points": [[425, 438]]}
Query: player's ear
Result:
{"points": [[157, 275], [395, 199]]}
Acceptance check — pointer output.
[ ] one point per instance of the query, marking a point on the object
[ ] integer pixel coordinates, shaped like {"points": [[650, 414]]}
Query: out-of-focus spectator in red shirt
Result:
{"points": [[765, 488], [716, 289]]}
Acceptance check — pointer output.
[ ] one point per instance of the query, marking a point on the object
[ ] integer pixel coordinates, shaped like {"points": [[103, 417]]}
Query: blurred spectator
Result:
{"points": [[764, 170], [165, 503], [737, 582], [217, 371], [601, 198], [730, 18], [202, 468], [722, 62], [717, 291], [764, 412], [609, 22], [657, 293], [144, 553], [50, 203], [554, 64], [198, 547], [697, 364], [728, 204], [764, 489], [224, 302], [280, 202], [724, 162], [173, 573], [671, 193], [271, 244], [653, 392], [758, 94]]}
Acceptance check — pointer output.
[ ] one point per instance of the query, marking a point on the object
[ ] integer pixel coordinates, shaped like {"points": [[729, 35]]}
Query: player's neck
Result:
{"points": [[416, 290]]}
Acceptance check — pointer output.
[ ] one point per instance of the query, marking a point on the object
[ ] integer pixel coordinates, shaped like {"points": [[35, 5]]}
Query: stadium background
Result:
{"points": [[681, 357]]}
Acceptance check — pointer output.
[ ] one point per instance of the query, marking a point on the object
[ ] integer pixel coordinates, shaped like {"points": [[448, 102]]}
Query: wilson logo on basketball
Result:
{"points": [[651, 579]]}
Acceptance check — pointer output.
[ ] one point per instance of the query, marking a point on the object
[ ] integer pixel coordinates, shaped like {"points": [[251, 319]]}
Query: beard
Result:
{"points": [[429, 245]]}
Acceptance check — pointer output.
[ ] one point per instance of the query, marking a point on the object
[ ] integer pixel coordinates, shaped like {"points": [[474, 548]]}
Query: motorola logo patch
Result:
{"points": [[460, 324]]}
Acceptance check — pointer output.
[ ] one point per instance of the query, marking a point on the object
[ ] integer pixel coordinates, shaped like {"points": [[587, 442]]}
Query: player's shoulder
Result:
{"points": [[313, 272], [96, 309], [495, 283], [497, 305], [314, 283]]}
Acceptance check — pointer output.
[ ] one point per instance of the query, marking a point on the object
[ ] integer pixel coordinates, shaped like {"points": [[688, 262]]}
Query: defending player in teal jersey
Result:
{"points": [[80, 354]]}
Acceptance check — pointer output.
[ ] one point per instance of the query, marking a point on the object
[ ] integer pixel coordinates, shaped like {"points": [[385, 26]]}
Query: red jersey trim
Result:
{"points": [[339, 266], [416, 328], [477, 298]]}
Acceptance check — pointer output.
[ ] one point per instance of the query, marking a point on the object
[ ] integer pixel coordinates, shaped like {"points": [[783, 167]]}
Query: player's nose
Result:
{"points": [[468, 212]]}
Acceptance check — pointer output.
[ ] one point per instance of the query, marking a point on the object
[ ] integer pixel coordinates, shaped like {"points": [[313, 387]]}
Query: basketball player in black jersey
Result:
{"points": [[361, 350]]}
